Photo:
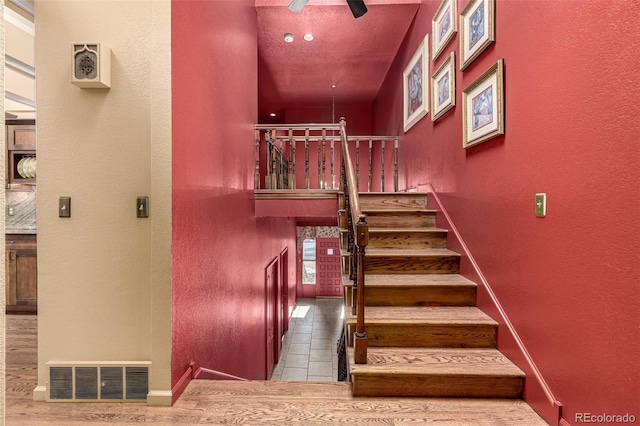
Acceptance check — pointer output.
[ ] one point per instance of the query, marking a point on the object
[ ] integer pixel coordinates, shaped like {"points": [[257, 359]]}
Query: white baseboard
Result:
{"points": [[159, 398], [40, 394]]}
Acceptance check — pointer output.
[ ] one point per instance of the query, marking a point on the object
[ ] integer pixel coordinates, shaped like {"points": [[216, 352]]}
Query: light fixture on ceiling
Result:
{"points": [[308, 37], [273, 114], [288, 37], [297, 5], [358, 8]]}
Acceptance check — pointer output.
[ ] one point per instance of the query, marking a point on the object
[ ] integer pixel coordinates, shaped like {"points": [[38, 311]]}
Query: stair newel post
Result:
{"points": [[360, 336]]}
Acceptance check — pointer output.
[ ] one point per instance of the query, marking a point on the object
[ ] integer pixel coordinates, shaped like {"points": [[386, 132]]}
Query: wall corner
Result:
{"points": [[159, 398]]}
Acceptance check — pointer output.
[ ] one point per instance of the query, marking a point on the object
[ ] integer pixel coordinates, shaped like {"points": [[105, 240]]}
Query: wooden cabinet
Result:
{"points": [[21, 273], [21, 145], [21, 137]]}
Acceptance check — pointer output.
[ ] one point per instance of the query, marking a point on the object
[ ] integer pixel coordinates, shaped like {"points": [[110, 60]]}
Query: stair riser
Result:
{"points": [[428, 336], [418, 296], [392, 201], [411, 264], [437, 386], [411, 240], [393, 220]]}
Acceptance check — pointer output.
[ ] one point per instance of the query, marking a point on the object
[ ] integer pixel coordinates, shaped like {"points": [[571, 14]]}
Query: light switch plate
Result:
{"points": [[142, 207], [64, 207], [541, 205]]}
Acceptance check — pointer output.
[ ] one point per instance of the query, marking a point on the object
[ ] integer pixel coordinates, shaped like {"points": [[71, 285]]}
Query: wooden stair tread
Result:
{"points": [[413, 230], [407, 280], [400, 229], [407, 210], [440, 361], [393, 194], [449, 315], [402, 252]]}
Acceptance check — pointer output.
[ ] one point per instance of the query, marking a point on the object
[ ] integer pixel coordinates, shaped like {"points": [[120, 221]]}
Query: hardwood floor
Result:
{"points": [[251, 403]]}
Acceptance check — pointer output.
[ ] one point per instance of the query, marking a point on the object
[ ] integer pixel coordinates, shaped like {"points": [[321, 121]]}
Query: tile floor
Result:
{"points": [[309, 346]]}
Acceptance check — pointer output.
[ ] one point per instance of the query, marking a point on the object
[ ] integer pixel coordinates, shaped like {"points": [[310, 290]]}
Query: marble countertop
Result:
{"points": [[20, 214]]}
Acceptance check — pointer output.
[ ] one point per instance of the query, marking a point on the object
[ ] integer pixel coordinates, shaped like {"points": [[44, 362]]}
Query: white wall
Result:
{"points": [[20, 81], [104, 276]]}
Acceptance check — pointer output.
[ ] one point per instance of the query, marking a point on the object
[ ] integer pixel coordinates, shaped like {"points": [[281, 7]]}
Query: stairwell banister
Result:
{"points": [[283, 141], [360, 230]]}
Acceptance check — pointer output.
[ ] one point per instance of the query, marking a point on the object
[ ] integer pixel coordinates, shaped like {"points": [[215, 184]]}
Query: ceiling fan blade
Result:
{"points": [[297, 5], [358, 8]]}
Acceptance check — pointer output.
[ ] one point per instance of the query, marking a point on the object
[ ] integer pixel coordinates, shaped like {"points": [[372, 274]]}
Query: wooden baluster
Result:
{"points": [[333, 174], [324, 170], [274, 159], [358, 165], [395, 165], [319, 164], [278, 167], [382, 167], [283, 168], [256, 179], [306, 158], [292, 161], [267, 176], [370, 166]]}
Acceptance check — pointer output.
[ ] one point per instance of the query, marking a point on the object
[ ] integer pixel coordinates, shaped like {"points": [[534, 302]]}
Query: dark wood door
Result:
{"points": [[284, 293], [328, 268], [21, 273], [270, 318]]}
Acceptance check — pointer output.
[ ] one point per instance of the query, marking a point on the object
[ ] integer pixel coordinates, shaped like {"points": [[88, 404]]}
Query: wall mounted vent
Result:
{"points": [[98, 381]]}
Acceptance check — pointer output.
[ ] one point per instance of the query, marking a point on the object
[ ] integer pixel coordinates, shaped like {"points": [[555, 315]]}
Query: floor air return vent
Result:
{"points": [[102, 382]]}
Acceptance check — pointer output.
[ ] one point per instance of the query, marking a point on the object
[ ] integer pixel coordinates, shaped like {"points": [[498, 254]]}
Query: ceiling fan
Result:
{"points": [[358, 8]]}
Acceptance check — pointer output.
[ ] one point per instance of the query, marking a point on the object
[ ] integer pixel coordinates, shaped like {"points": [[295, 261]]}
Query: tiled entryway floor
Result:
{"points": [[309, 346]]}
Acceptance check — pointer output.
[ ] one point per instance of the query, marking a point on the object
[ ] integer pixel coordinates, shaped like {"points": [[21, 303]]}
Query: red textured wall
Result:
{"points": [[568, 282], [220, 249]]}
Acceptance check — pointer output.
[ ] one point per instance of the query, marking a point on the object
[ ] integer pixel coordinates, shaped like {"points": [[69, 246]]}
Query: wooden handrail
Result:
{"points": [[360, 238], [352, 188], [311, 126]]}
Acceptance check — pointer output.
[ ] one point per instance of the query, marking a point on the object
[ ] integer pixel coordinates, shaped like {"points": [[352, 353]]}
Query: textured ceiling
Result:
{"points": [[354, 54]]}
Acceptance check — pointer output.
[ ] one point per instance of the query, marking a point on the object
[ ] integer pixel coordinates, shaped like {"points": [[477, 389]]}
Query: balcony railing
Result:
{"points": [[307, 156]]}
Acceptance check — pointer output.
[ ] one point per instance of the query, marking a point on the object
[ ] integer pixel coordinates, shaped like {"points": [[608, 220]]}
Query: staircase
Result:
{"points": [[425, 336]]}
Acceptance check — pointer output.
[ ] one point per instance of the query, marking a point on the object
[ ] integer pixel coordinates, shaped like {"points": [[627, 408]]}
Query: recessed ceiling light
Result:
{"points": [[308, 37], [288, 37], [273, 114]]}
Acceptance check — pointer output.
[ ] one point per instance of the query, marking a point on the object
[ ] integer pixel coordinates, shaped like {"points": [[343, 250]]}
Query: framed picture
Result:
{"points": [[443, 88], [443, 26], [483, 107], [477, 30], [415, 86]]}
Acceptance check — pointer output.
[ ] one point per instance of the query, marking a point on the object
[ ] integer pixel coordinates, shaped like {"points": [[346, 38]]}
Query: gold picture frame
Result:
{"points": [[483, 107], [443, 88], [477, 29], [443, 26], [415, 84]]}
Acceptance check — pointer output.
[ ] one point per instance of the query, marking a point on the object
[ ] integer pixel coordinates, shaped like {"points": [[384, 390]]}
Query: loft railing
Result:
{"points": [[306, 156], [358, 238]]}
